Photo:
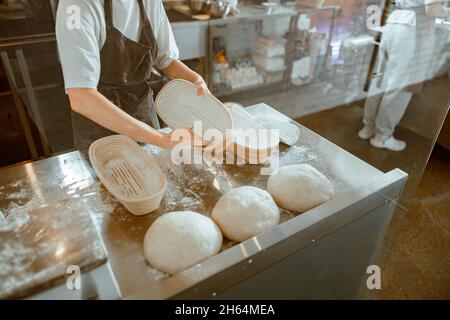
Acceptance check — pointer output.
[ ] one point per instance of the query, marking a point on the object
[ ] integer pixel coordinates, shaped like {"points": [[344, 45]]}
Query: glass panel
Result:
{"points": [[386, 64], [346, 59], [39, 83]]}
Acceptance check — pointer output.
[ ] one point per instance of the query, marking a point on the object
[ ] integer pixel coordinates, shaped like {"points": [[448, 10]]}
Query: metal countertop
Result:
{"points": [[45, 227], [61, 194]]}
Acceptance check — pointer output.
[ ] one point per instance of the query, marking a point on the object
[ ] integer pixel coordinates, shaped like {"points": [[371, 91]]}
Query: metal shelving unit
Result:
{"points": [[23, 26], [13, 48], [290, 37]]}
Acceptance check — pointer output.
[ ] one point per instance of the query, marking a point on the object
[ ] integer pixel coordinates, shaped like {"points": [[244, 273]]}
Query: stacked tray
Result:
{"points": [[179, 106], [288, 132], [258, 150]]}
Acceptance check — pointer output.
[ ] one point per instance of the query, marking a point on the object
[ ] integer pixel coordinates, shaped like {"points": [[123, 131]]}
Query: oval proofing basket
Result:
{"points": [[179, 106], [263, 145], [128, 173]]}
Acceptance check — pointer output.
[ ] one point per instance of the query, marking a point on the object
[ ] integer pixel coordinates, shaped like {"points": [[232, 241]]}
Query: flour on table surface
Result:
{"points": [[16, 262], [155, 274]]}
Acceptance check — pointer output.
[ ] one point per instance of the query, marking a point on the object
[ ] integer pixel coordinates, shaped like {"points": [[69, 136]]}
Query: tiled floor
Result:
{"points": [[415, 257], [341, 125], [417, 264]]}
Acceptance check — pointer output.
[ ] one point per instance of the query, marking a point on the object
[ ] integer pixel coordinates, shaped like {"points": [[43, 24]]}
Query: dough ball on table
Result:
{"points": [[299, 187], [245, 212], [181, 239]]}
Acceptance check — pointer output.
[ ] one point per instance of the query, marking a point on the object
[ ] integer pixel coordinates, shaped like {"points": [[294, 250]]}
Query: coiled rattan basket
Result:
{"points": [[128, 173]]}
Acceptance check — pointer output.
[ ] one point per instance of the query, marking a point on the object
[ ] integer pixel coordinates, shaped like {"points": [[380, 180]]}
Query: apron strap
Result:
{"points": [[142, 11], [147, 35], [108, 14]]}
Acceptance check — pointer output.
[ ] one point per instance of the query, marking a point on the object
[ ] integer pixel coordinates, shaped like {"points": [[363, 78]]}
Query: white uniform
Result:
{"points": [[406, 54], [79, 48]]}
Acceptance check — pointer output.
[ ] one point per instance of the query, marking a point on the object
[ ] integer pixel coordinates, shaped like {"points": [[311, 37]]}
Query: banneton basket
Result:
{"points": [[288, 132], [256, 151], [179, 106], [128, 173]]}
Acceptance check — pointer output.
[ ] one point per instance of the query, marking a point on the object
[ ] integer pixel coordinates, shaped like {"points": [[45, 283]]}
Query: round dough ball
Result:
{"points": [[181, 239], [299, 187], [245, 212]]}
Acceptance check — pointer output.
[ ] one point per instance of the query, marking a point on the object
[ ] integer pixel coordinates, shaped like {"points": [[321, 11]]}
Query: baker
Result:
{"points": [[107, 51], [406, 51]]}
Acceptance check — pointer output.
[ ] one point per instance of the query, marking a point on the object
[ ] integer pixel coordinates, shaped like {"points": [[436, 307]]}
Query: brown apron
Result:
{"points": [[126, 67]]}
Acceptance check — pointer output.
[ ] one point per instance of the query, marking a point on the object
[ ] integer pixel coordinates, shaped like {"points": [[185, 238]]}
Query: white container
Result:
{"points": [[269, 64], [257, 151], [269, 47]]}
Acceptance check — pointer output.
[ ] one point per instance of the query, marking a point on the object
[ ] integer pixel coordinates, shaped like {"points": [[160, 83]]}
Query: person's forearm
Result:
{"points": [[96, 107], [178, 70]]}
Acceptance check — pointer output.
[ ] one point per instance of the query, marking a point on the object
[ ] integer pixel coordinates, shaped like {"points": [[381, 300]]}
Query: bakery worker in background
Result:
{"points": [[406, 52], [107, 56]]}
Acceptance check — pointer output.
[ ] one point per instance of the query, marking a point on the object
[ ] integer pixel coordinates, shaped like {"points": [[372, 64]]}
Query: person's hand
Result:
{"points": [[202, 87], [170, 140], [167, 142]]}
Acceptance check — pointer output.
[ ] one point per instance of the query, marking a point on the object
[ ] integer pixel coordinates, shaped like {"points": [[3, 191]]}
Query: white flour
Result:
{"points": [[155, 274], [15, 261]]}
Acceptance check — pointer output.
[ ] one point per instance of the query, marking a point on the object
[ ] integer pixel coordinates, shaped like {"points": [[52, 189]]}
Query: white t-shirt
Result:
{"points": [[404, 16], [79, 48], [415, 3]]}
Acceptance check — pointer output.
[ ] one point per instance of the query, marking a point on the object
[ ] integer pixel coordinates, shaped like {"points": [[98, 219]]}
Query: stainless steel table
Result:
{"points": [[322, 253]]}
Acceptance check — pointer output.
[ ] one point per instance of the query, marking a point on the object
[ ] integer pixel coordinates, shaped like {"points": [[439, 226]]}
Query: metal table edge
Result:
{"points": [[277, 243]]}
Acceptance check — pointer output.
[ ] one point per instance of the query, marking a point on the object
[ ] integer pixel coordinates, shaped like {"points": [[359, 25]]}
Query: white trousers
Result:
{"points": [[405, 55]]}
